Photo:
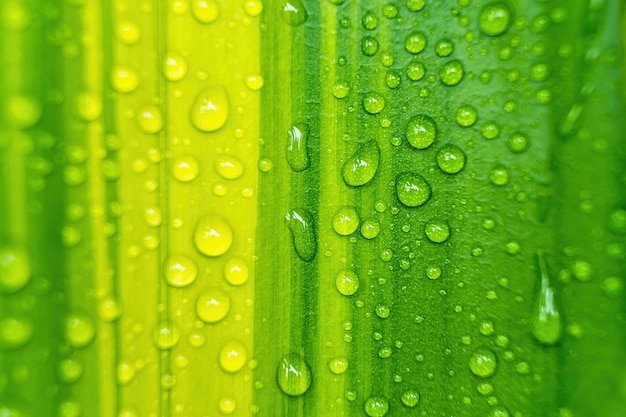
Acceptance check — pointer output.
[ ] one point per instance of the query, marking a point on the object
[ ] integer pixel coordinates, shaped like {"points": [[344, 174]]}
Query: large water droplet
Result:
{"points": [[213, 235], [14, 268], [412, 189], [300, 223], [373, 103], [180, 271], [376, 406], [23, 112], [338, 366], [361, 167], [499, 175], [483, 362], [415, 42], [236, 271], [174, 66], [150, 119], [450, 159], [547, 326], [206, 11], [297, 152], [79, 330], [437, 231], [293, 12], [70, 370], [124, 80], [421, 131], [228, 167], [347, 282], [14, 332], [212, 305], [294, 375], [185, 168], [166, 335], [346, 221], [410, 398], [494, 19], [210, 109], [451, 73], [233, 356]]}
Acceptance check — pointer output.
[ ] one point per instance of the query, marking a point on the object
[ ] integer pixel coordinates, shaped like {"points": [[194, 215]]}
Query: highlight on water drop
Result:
{"points": [[293, 12], [297, 147], [547, 326], [483, 362], [303, 236]]}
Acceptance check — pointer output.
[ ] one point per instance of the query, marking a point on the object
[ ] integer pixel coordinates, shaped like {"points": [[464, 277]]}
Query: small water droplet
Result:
{"points": [[346, 221], [433, 272], [125, 372], [362, 166], [185, 168], [236, 271], [212, 305], [128, 32], [490, 130], [339, 365], [80, 330], [370, 228], [483, 362], [466, 115], [206, 11], [166, 336], [499, 175], [415, 5], [300, 223], [293, 12], [415, 42], [412, 189], [89, 106], [410, 398], [297, 151], [70, 370], [518, 142], [547, 327], [373, 103], [14, 333], [369, 45], [109, 309], [174, 66], [228, 167], [437, 231], [210, 110], [444, 47], [294, 375], [150, 119], [213, 235], [451, 73], [341, 89], [124, 80], [227, 405], [376, 406], [450, 159], [180, 271], [253, 7], [254, 82], [415, 70], [233, 356], [421, 131], [14, 268], [499, 412], [495, 19]]}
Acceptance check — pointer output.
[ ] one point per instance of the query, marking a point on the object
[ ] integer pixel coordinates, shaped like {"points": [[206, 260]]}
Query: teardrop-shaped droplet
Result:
{"points": [[362, 166], [546, 318], [297, 152], [211, 109], [293, 12], [294, 375], [300, 223]]}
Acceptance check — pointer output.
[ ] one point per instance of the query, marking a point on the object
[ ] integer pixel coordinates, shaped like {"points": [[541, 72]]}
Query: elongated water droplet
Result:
{"points": [[297, 152], [213, 235], [376, 406], [495, 19], [294, 375], [362, 166], [412, 189], [293, 12], [547, 325], [14, 268], [300, 223], [483, 362], [210, 109]]}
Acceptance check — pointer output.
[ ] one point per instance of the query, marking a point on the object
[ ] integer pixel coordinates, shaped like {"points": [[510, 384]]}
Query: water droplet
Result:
{"points": [[253, 7], [180, 271], [499, 175], [128, 32], [294, 375], [109, 309], [613, 286], [297, 151], [415, 70], [212, 305], [227, 405], [486, 328], [210, 109], [412, 189], [124, 80], [206, 11], [382, 311], [466, 115], [361, 167], [300, 223], [125, 372], [490, 130], [499, 412], [369, 45], [265, 165], [14, 332], [150, 119], [392, 79], [70, 370], [79, 330], [390, 10], [293, 12], [376, 406], [69, 409], [483, 363], [166, 336], [444, 47], [213, 235], [415, 42], [582, 271], [228, 167], [233, 356], [410, 398], [347, 282], [14, 268], [451, 73], [254, 82], [185, 168], [518, 143], [373, 103], [174, 66], [346, 221], [450, 159], [494, 19], [415, 5], [236, 271], [370, 228], [421, 131], [89, 106], [437, 231], [341, 89], [546, 318], [338, 366]]}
